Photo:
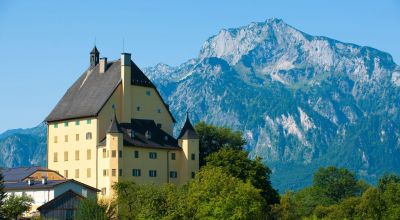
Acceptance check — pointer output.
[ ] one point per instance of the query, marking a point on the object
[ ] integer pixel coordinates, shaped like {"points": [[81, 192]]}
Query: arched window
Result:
{"points": [[89, 136]]}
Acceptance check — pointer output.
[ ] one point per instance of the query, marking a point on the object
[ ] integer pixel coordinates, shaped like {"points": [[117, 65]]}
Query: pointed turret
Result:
{"points": [[94, 57], [188, 131], [114, 126]]}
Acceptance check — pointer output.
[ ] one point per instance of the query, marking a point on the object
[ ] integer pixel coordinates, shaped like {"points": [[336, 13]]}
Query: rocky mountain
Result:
{"points": [[23, 147], [301, 101]]}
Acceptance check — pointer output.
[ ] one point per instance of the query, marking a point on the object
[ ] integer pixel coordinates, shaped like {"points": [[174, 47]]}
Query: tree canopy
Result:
{"points": [[238, 164], [213, 138]]}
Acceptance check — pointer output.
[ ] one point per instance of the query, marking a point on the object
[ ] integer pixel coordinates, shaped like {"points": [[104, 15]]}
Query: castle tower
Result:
{"points": [[189, 142]]}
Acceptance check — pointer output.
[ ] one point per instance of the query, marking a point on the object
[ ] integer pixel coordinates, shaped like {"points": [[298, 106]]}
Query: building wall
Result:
{"points": [[40, 196], [73, 164], [151, 107], [77, 188]]}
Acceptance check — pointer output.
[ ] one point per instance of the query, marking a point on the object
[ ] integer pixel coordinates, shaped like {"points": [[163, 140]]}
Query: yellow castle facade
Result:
{"points": [[112, 125]]}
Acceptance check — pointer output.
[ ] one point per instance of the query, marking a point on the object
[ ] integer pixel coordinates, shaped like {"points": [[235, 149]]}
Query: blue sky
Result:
{"points": [[45, 45]]}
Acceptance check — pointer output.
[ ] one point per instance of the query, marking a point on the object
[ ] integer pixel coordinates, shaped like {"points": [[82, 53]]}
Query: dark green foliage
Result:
{"points": [[90, 208], [335, 184], [238, 164], [214, 138], [14, 206], [386, 180]]}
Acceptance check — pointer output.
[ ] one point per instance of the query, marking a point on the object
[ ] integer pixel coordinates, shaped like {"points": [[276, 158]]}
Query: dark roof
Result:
{"points": [[139, 128], [38, 185], [20, 173], [69, 193], [114, 126], [87, 96], [188, 131], [94, 50]]}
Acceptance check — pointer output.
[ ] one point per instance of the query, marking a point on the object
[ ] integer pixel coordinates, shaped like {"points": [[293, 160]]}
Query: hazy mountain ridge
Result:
{"points": [[301, 101]]}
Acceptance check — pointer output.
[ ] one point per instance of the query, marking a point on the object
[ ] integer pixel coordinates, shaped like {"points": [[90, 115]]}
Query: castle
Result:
{"points": [[112, 125]]}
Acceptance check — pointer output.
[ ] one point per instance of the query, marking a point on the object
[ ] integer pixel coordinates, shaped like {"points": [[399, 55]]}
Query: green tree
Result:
{"points": [[387, 179], [238, 164], [391, 196], [372, 205], [214, 194], [213, 138], [150, 201], [14, 206], [287, 209], [90, 208], [335, 184]]}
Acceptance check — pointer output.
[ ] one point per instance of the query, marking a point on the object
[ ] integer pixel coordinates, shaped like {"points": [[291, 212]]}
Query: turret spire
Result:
{"points": [[188, 131], [94, 57], [114, 126]]}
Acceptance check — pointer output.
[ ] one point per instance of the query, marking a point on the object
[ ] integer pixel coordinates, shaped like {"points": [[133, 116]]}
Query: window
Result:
{"points": [[173, 156], [55, 139], [66, 174], [55, 158], [89, 136], [193, 175], [152, 173], [55, 125], [88, 154], [148, 93], [69, 214], [159, 110], [105, 172], [113, 172], [88, 172], [120, 172], [159, 125], [66, 138], [153, 155], [89, 121], [77, 155], [66, 124], [120, 153], [65, 155], [137, 108], [113, 153], [104, 153], [77, 123], [103, 191], [193, 156], [173, 174], [136, 172], [77, 173], [136, 154], [77, 137]]}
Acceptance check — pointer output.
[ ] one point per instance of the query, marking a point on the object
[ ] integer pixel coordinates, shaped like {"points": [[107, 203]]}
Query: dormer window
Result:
{"points": [[148, 134]]}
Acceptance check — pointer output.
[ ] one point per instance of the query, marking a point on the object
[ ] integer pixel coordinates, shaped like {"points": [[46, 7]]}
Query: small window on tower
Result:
{"points": [[77, 122], [148, 93], [55, 125], [89, 121], [159, 110], [65, 124], [137, 108]]}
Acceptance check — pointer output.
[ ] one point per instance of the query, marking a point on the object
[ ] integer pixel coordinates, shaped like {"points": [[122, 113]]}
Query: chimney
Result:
{"points": [[30, 182], [44, 180], [125, 59], [103, 65]]}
